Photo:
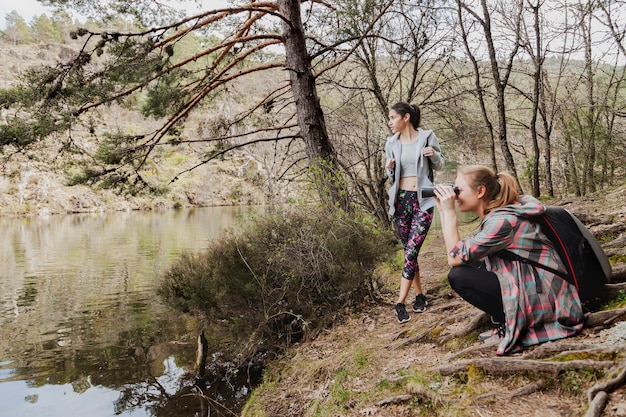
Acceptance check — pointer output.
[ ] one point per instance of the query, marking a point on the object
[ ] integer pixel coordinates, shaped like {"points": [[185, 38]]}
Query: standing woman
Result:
{"points": [[531, 305], [411, 152]]}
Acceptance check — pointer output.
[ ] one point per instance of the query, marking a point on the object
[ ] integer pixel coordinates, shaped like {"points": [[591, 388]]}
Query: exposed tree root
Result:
{"points": [[421, 335], [504, 366], [560, 350], [525, 390], [596, 407], [619, 273], [397, 399], [416, 391], [549, 349], [605, 318], [446, 307], [612, 291], [477, 321], [528, 389], [472, 351], [610, 384]]}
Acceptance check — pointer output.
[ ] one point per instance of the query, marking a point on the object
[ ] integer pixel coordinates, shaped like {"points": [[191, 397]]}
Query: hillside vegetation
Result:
{"points": [[434, 365], [37, 181]]}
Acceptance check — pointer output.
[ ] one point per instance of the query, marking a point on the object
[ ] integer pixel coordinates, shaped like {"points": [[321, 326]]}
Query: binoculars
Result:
{"points": [[430, 191]]}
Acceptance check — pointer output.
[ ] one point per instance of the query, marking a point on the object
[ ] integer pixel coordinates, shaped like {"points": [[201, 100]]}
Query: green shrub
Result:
{"points": [[280, 276]]}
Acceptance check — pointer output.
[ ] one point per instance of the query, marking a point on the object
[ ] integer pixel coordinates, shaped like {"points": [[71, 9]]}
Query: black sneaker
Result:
{"points": [[419, 306], [402, 314]]}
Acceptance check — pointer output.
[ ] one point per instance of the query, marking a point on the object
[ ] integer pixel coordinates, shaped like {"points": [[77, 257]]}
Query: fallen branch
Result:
{"points": [[201, 355]]}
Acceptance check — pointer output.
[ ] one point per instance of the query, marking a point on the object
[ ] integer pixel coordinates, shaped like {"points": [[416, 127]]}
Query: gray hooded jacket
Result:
{"points": [[393, 149]]}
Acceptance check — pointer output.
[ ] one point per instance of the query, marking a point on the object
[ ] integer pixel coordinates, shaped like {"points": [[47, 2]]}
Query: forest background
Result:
{"points": [[536, 91], [140, 107]]}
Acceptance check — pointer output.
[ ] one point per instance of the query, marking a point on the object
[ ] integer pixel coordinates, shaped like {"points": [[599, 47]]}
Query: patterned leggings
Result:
{"points": [[412, 224]]}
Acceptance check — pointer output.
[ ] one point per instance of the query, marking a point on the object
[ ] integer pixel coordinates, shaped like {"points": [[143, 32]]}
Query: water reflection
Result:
{"points": [[81, 330]]}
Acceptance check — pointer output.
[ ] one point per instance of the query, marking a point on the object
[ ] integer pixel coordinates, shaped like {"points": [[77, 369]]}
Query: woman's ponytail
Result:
{"points": [[403, 108], [500, 189]]}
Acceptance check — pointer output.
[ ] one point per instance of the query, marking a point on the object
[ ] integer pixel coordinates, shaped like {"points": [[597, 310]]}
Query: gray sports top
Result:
{"points": [[408, 160]]}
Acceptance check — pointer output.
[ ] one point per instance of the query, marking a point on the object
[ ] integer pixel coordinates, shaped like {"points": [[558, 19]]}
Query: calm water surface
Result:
{"points": [[82, 332]]}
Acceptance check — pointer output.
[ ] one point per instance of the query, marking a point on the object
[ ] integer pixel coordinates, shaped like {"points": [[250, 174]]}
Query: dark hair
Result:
{"points": [[500, 189], [403, 108]]}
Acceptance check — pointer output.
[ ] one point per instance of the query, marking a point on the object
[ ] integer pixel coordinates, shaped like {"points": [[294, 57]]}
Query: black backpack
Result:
{"points": [[587, 265]]}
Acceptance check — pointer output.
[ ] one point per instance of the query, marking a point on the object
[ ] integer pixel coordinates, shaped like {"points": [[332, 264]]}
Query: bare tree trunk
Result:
{"points": [[547, 132], [536, 92], [322, 156], [590, 116], [501, 83], [500, 78], [480, 93]]}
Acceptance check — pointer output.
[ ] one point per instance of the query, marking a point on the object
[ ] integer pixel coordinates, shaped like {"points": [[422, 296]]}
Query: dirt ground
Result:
{"points": [[369, 365]]}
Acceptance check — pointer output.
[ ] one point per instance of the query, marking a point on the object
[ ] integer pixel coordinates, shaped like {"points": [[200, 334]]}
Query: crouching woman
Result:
{"points": [[530, 304]]}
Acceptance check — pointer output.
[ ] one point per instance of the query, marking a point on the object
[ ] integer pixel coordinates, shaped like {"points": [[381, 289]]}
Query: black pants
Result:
{"points": [[478, 287]]}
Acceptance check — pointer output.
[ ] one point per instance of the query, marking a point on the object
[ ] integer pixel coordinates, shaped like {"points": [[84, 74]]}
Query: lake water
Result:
{"points": [[82, 332]]}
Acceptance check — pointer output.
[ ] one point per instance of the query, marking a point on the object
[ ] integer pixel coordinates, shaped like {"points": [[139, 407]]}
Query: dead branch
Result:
{"points": [[504, 366], [201, 355]]}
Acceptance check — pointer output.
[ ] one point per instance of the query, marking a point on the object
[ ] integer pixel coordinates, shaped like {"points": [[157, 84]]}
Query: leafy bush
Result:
{"points": [[280, 276]]}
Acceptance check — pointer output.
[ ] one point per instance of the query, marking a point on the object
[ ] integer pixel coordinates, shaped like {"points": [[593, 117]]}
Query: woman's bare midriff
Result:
{"points": [[408, 183]]}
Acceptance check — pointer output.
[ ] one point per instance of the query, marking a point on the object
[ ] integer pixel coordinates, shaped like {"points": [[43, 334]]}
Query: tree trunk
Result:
{"points": [[536, 92], [500, 84], [322, 156]]}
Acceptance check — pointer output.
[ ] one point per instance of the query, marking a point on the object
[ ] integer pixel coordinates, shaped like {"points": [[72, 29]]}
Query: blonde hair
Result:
{"points": [[500, 189]]}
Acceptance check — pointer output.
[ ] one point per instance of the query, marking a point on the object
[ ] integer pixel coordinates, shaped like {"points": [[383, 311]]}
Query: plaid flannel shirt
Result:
{"points": [[538, 305]]}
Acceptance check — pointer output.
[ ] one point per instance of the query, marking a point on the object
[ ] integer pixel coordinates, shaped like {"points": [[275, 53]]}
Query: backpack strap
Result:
{"points": [[510, 256], [431, 172]]}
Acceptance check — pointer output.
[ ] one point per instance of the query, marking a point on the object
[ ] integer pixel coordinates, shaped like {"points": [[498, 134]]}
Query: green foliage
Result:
{"points": [[617, 302], [45, 30], [164, 98], [577, 381], [281, 276], [20, 132], [17, 31]]}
